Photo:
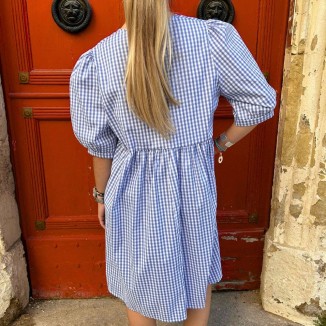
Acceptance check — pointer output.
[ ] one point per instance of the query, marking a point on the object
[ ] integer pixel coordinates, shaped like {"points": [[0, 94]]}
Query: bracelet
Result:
{"points": [[220, 147], [98, 196], [224, 137]]}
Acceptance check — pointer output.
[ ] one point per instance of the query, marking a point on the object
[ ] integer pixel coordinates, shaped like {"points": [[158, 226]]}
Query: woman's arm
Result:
{"points": [[102, 172], [235, 133]]}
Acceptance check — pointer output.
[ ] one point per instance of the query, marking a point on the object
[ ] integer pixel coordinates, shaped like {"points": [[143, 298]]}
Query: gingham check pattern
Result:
{"points": [[162, 245]]}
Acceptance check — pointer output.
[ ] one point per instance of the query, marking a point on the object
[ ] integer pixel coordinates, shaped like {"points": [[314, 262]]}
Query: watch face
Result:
{"points": [[228, 144]]}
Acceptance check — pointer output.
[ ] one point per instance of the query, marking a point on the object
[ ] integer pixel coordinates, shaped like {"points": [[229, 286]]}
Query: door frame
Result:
{"points": [[12, 60]]}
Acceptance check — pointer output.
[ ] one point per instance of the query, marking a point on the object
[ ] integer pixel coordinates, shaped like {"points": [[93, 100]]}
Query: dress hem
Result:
{"points": [[153, 317]]}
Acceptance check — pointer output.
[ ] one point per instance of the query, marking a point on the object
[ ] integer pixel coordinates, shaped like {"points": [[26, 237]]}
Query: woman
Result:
{"points": [[142, 102]]}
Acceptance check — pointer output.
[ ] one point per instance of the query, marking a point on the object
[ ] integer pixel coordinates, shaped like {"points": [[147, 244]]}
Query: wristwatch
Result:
{"points": [[224, 137], [98, 196]]}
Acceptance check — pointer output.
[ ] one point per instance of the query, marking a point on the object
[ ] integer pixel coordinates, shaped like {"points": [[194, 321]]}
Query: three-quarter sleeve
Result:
{"points": [[240, 79], [88, 116]]}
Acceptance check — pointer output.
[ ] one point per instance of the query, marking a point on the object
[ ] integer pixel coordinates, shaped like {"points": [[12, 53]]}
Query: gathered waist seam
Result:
{"points": [[208, 140]]}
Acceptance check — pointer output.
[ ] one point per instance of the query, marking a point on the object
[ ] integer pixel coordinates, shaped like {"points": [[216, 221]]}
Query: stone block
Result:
{"points": [[9, 218], [14, 287], [293, 282]]}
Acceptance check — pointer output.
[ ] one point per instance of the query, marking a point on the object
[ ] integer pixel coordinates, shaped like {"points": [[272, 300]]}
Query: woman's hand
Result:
{"points": [[101, 214], [102, 171]]}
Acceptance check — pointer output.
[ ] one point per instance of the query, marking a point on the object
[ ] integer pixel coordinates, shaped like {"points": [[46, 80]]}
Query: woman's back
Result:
{"points": [[201, 70], [161, 199]]}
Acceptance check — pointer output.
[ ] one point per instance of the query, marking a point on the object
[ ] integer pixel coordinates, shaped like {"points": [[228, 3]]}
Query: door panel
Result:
{"points": [[44, 31], [53, 172]]}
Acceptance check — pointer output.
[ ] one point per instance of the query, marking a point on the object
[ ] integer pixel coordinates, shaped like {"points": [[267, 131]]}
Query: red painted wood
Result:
{"points": [[53, 173]]}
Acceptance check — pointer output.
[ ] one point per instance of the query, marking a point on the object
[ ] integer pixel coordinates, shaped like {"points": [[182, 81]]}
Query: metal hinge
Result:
{"points": [[23, 77], [253, 218], [40, 225], [27, 113]]}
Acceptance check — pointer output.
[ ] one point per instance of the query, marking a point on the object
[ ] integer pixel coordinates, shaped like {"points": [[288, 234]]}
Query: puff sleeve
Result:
{"points": [[241, 81], [89, 119]]}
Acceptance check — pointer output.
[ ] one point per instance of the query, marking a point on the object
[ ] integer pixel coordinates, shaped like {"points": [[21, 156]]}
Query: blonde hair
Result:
{"points": [[150, 54]]}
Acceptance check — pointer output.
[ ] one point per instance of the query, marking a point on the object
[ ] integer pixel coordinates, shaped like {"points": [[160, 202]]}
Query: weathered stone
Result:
{"points": [[295, 210], [11, 313], [292, 91], [14, 294], [9, 220], [310, 309], [298, 190], [288, 276], [321, 266], [303, 142], [314, 43], [319, 208], [14, 288], [293, 278]]}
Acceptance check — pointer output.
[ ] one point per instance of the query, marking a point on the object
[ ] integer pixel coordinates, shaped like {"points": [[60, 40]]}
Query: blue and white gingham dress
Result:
{"points": [[162, 247]]}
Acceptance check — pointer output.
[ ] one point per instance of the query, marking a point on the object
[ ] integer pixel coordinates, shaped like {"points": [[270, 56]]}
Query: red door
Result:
{"points": [[63, 240]]}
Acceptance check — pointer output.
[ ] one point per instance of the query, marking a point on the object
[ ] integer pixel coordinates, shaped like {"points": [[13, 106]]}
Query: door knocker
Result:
{"points": [[71, 15], [216, 9]]}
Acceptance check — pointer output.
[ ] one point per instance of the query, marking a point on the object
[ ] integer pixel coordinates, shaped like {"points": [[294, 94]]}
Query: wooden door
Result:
{"points": [[63, 240]]}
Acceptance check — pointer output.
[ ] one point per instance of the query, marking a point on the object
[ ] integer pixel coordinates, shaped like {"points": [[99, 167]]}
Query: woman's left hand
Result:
{"points": [[101, 214]]}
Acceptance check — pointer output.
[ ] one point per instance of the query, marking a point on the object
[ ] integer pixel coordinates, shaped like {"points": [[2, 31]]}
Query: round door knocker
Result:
{"points": [[72, 15], [216, 9]]}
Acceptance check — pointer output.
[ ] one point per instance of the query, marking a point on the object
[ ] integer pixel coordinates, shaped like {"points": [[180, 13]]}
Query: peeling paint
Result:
{"points": [[313, 153], [277, 300], [302, 46], [303, 90], [319, 211], [319, 208], [295, 210], [321, 266], [304, 122], [230, 237], [229, 258], [250, 239], [292, 96], [321, 190], [314, 43], [272, 248], [304, 137], [299, 190], [322, 171], [279, 209], [310, 309]]}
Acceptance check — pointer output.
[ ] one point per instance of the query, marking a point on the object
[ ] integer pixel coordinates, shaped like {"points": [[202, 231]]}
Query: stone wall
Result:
{"points": [[294, 270], [14, 288]]}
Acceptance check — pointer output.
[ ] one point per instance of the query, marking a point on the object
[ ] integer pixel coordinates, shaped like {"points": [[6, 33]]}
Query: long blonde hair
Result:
{"points": [[150, 54]]}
